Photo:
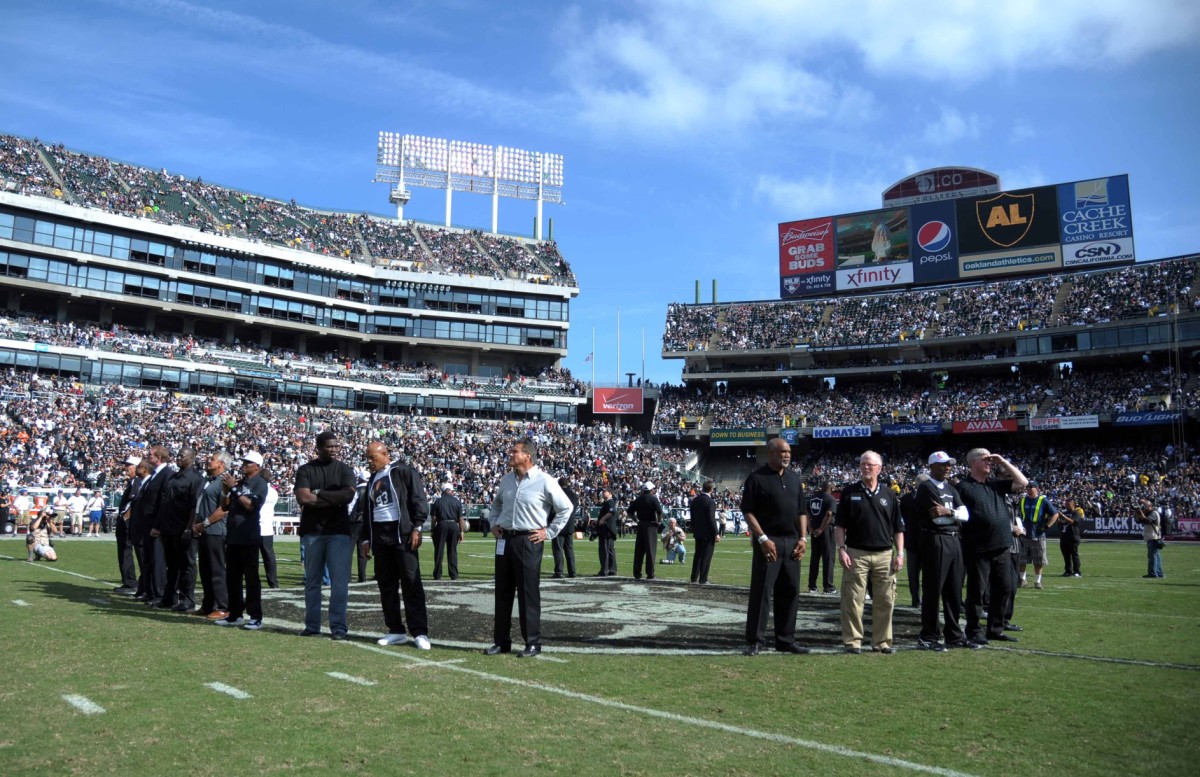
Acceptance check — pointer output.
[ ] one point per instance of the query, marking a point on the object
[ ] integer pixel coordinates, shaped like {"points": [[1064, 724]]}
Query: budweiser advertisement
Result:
{"points": [[806, 258], [625, 401], [994, 425]]}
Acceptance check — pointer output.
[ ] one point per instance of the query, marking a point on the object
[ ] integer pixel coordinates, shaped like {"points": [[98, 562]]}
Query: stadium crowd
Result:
{"points": [[97, 182], [1135, 291]]}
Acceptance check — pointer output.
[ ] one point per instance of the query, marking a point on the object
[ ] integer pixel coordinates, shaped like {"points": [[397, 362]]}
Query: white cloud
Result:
{"points": [[688, 66], [951, 127], [820, 194]]}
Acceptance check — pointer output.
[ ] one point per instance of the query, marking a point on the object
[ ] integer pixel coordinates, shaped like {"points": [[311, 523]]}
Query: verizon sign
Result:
{"points": [[942, 183], [626, 401], [994, 425]]}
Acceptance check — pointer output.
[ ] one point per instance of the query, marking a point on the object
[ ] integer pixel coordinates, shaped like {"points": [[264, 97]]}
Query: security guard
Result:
{"points": [[449, 527]]}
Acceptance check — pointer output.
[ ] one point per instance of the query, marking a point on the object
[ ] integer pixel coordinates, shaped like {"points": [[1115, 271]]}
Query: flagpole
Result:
{"points": [[593, 357], [643, 354], [618, 346]]}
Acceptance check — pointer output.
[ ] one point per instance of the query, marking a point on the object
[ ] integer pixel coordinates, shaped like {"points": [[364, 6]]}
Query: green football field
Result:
{"points": [[1105, 680]]}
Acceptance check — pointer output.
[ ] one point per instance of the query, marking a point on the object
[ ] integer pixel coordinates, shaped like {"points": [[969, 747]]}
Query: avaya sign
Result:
{"points": [[995, 425], [626, 401]]}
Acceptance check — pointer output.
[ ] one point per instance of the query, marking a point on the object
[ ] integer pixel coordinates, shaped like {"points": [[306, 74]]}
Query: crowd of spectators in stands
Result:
{"points": [[56, 433], [97, 182], [963, 398], [1134, 291]]}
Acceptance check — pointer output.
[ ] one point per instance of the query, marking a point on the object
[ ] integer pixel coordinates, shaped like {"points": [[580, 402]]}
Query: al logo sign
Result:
{"points": [[1006, 218]]}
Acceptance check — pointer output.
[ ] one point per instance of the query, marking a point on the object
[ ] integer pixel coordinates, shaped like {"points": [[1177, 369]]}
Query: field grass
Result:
{"points": [[1104, 681]]}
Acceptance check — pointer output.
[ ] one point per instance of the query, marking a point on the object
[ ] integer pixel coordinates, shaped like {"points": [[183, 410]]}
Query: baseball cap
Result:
{"points": [[134, 460], [447, 486], [941, 457], [648, 486], [253, 457]]}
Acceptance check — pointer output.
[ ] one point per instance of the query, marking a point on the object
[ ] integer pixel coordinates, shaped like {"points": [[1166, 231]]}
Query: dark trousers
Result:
{"points": [[822, 555], [153, 577], [241, 569], [1070, 553], [943, 569], [702, 559], [778, 581], [990, 572], [1014, 576], [215, 595], [398, 574], [518, 573], [267, 550], [563, 548], [608, 555], [445, 546], [916, 567], [178, 561], [356, 528], [645, 546], [129, 578]]}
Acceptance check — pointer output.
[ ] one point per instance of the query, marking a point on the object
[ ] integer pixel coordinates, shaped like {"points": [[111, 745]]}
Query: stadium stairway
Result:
{"points": [[48, 163], [1060, 300], [483, 250]]}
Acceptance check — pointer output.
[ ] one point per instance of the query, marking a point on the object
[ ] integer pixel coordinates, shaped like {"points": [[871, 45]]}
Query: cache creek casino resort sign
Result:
{"points": [[944, 236]]}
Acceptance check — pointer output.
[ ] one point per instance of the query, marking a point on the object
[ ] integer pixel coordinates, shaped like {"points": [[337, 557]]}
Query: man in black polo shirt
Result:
{"points": [[941, 512], [649, 514], [989, 537], [606, 533], [242, 499], [868, 524], [773, 504]]}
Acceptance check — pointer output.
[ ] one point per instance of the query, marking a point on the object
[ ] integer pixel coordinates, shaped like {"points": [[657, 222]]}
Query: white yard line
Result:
{"points": [[228, 689], [1100, 659], [350, 678], [83, 704], [21, 603], [688, 720]]}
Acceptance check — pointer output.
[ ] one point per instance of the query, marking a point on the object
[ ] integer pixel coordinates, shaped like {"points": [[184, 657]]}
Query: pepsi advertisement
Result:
{"points": [[934, 248]]}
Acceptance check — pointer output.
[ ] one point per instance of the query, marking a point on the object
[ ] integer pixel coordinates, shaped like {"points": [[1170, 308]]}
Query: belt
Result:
{"points": [[943, 533], [515, 533]]}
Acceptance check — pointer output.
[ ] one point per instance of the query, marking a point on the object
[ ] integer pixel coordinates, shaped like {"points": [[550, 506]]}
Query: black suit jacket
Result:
{"points": [[145, 507], [704, 517], [178, 502]]}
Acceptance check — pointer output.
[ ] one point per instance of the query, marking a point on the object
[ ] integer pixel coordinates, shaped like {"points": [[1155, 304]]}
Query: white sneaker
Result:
{"points": [[229, 621], [423, 642], [253, 625], [394, 639]]}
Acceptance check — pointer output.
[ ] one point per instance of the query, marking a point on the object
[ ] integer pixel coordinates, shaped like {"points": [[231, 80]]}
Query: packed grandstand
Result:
{"points": [[157, 360]]}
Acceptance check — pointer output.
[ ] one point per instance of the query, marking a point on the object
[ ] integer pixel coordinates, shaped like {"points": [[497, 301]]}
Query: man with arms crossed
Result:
{"points": [[324, 489]]}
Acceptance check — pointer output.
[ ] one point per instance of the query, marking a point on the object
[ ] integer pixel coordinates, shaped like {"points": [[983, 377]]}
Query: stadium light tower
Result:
{"points": [[455, 165]]}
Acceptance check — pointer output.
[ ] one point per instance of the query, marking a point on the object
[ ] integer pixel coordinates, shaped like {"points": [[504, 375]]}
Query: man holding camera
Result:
{"points": [[1151, 521]]}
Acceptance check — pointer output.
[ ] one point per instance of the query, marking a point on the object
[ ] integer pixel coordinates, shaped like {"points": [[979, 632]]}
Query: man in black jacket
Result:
{"points": [[648, 512], [988, 534], [449, 527], [124, 546], [563, 544], [152, 568], [606, 534], [173, 524], [396, 508], [703, 512], [819, 506]]}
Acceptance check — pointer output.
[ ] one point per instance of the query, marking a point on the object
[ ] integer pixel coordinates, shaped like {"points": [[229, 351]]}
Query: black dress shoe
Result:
{"points": [[751, 650], [339, 636], [181, 607], [1012, 627], [965, 644], [556, 577], [124, 589], [792, 647], [1001, 638], [496, 650], [853, 650], [530, 651], [649, 577], [1065, 574]]}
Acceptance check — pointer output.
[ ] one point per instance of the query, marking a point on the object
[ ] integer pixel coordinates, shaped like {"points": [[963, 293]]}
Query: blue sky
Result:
{"points": [[689, 129]]}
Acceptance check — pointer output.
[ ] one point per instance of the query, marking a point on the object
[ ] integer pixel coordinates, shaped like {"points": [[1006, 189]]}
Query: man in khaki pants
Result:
{"points": [[868, 525]]}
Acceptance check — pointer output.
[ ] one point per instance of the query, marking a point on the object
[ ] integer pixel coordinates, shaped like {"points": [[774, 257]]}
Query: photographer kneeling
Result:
{"points": [[37, 542]]}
